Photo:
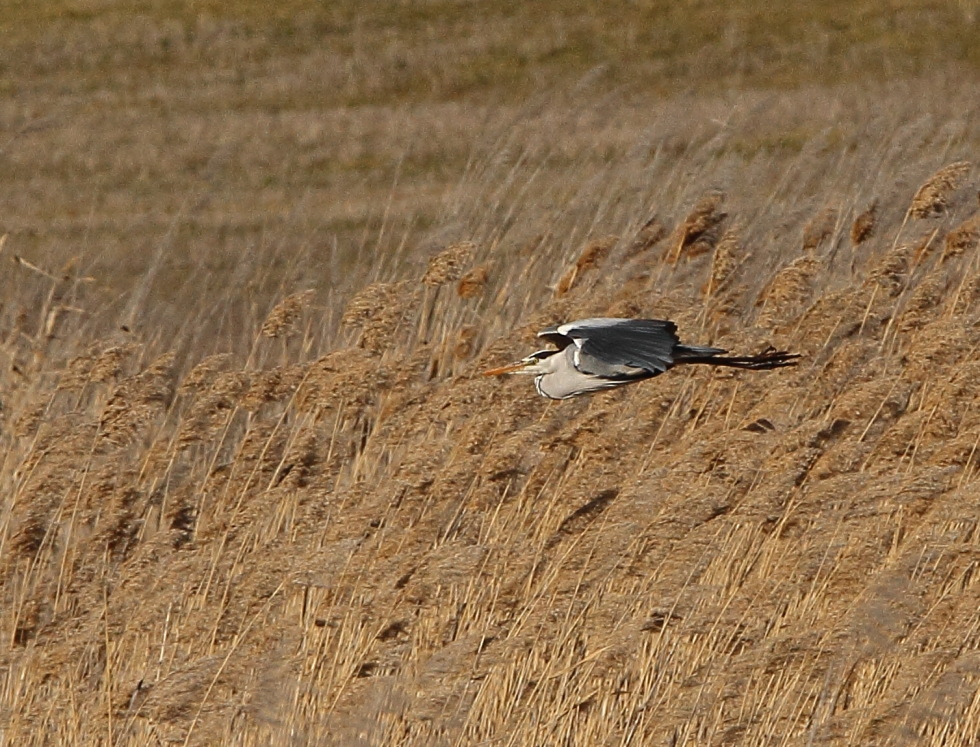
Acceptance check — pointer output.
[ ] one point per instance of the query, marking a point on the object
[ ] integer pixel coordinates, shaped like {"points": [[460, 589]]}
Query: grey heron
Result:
{"points": [[602, 353]]}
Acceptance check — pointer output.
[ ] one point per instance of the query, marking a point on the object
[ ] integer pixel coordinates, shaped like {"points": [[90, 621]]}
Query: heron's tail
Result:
{"points": [[768, 358]]}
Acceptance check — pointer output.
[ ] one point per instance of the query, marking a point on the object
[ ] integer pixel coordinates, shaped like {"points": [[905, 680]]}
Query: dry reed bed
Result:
{"points": [[377, 546]]}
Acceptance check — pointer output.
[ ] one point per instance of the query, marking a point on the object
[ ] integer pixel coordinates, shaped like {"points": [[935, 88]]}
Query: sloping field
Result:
{"points": [[263, 496]]}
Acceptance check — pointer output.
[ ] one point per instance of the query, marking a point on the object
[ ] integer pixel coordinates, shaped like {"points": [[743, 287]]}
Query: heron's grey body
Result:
{"points": [[602, 353]]}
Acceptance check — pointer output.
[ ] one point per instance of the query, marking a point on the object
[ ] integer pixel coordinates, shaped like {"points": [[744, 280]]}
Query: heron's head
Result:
{"points": [[533, 364]]}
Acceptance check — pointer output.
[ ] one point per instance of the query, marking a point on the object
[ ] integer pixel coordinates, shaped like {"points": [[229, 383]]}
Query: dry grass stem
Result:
{"points": [[864, 225], [590, 258], [650, 234], [285, 314], [473, 283], [932, 198], [700, 230], [818, 229], [963, 239], [380, 310], [448, 265], [784, 296], [727, 257]]}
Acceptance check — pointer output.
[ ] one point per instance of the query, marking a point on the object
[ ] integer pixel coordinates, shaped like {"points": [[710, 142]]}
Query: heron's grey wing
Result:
{"points": [[617, 347], [595, 366]]}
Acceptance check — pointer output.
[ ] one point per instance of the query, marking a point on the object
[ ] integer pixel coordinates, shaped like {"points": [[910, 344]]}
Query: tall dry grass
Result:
{"points": [[315, 524]]}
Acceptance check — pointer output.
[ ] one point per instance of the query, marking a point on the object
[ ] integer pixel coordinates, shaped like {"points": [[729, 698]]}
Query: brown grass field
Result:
{"points": [[253, 490]]}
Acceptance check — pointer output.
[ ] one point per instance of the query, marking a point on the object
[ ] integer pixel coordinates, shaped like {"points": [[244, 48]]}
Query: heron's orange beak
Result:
{"points": [[512, 368]]}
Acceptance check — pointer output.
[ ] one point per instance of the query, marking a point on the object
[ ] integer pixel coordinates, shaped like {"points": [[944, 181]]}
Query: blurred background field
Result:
{"points": [[312, 139], [252, 258]]}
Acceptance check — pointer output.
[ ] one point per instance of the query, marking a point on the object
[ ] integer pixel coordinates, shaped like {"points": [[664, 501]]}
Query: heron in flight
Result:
{"points": [[602, 353]]}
